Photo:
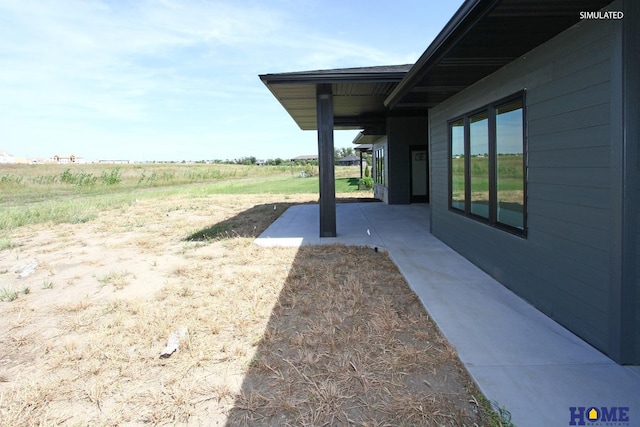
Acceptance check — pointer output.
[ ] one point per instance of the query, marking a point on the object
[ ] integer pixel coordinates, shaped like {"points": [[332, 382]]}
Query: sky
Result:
{"points": [[178, 79]]}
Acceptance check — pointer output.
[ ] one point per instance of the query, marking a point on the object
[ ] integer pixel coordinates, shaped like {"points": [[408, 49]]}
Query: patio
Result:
{"points": [[520, 358]]}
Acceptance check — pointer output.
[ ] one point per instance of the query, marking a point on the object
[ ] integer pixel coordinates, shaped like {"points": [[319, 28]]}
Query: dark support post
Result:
{"points": [[324, 102], [360, 164]]}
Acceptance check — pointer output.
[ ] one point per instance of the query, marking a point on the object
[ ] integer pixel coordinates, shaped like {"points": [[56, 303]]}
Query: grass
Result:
{"points": [[6, 243], [51, 193], [116, 279], [345, 347], [283, 185], [496, 415], [276, 336], [9, 293]]}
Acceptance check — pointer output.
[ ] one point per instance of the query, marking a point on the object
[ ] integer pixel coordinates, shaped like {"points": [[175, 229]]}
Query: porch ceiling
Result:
{"points": [[358, 94], [483, 36]]}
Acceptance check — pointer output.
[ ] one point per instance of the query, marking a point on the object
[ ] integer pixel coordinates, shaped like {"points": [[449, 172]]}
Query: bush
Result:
{"points": [[80, 179], [366, 182], [367, 172], [113, 177], [308, 170]]}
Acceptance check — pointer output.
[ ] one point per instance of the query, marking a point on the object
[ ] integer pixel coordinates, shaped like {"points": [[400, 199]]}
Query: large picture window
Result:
{"points": [[487, 164]]}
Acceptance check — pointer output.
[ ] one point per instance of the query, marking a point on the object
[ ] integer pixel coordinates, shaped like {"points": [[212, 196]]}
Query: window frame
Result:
{"points": [[492, 219], [450, 162]]}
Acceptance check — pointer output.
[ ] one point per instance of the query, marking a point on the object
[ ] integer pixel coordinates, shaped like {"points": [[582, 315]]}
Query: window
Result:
{"points": [[479, 159], [379, 166], [487, 164], [458, 172], [510, 164]]}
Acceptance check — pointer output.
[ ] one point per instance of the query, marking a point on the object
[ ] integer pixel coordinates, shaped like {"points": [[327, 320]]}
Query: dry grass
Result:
{"points": [[276, 336], [348, 343]]}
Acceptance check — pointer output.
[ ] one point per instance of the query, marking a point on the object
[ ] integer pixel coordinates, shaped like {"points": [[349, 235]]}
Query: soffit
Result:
{"points": [[358, 94], [482, 37]]}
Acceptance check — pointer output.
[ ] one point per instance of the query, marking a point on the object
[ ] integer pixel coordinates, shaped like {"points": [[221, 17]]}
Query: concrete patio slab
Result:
{"points": [[520, 358], [298, 226]]}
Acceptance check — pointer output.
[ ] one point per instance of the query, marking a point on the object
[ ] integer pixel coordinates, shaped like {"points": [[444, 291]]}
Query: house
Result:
{"points": [[350, 161], [115, 161], [360, 149], [519, 126], [305, 158], [63, 159], [6, 158]]}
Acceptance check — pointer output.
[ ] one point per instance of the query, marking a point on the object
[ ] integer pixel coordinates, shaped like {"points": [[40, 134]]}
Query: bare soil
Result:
{"points": [[275, 336]]}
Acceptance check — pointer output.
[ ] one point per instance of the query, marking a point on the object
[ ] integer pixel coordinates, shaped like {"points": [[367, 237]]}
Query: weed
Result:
{"points": [[10, 178], [496, 415], [80, 179], [113, 177], [47, 284], [6, 243], [82, 218], [217, 231], [503, 416], [117, 279], [7, 294]]}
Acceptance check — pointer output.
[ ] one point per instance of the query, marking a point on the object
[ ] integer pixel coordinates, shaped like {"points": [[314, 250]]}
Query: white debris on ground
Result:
{"points": [[27, 269], [173, 343]]}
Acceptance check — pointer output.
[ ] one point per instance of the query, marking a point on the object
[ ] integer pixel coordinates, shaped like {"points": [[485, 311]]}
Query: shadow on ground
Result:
{"points": [[249, 223], [252, 222], [348, 343]]}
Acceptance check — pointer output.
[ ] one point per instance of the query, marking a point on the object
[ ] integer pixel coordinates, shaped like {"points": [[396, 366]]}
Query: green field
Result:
{"points": [[31, 194]]}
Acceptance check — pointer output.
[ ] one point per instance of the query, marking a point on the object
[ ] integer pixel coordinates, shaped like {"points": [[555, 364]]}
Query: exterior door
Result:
{"points": [[419, 174]]}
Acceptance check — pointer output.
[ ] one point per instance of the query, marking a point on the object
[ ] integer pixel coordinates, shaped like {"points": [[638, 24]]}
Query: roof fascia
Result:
{"points": [[464, 19], [320, 78]]}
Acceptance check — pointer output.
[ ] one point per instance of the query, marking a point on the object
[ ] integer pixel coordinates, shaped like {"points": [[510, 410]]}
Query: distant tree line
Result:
{"points": [[338, 154]]}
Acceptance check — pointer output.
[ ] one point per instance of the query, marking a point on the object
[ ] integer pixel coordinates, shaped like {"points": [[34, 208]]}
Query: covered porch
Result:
{"points": [[520, 358], [337, 99]]}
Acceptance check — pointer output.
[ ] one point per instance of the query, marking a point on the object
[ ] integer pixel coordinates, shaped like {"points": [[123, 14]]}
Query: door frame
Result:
{"points": [[422, 198]]}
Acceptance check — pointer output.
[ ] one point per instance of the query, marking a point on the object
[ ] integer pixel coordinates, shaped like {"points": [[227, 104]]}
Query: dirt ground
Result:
{"points": [[269, 336]]}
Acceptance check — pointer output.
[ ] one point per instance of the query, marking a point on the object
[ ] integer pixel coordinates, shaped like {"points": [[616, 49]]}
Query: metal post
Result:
{"points": [[324, 99]]}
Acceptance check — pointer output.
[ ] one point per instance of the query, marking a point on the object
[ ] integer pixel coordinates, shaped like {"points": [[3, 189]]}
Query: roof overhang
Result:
{"points": [[358, 94], [483, 36], [364, 148]]}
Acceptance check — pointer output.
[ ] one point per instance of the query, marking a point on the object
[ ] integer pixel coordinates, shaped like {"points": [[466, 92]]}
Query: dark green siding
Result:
{"points": [[631, 78], [563, 266], [402, 133]]}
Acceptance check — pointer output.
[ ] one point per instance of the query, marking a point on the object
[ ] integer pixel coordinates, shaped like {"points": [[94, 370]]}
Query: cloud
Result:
{"points": [[115, 70], [93, 53]]}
